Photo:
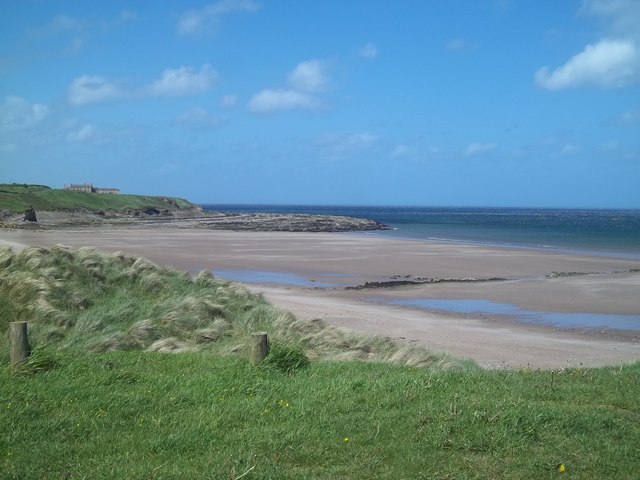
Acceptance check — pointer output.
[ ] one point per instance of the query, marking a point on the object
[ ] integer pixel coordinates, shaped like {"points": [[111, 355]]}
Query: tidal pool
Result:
{"points": [[262, 276], [556, 319]]}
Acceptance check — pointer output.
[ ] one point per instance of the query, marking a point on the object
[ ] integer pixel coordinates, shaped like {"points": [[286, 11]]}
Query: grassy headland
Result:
{"points": [[99, 399], [19, 197]]}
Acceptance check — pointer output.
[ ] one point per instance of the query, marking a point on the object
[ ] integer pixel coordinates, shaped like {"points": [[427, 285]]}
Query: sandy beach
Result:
{"points": [[307, 273]]}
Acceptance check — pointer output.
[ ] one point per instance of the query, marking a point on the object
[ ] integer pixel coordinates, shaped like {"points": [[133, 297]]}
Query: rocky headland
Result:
{"points": [[194, 218]]}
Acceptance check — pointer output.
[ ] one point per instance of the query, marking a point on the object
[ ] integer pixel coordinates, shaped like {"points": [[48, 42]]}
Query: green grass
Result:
{"points": [[19, 197], [101, 398], [148, 415]]}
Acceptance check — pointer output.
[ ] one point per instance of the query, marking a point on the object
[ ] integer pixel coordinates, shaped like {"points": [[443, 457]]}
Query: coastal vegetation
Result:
{"points": [[17, 198], [139, 371]]}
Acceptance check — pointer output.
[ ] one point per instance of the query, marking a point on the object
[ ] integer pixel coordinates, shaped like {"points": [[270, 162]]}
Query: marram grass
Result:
{"points": [[86, 300]]}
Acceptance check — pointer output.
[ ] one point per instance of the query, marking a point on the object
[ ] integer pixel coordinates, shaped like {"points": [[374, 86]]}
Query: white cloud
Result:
{"points": [[369, 51], [198, 116], [309, 76], [88, 89], [478, 148], [83, 133], [607, 64], [269, 101], [229, 101], [306, 81], [205, 20], [183, 81], [613, 61], [16, 113]]}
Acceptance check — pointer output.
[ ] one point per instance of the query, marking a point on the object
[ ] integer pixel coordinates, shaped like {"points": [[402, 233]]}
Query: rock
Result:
{"points": [[150, 211], [30, 215], [272, 222]]}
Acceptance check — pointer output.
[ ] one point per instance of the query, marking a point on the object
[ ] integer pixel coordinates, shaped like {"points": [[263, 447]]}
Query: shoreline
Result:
{"points": [[347, 259]]}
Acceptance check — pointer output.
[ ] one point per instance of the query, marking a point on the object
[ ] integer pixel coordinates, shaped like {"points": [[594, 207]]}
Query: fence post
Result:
{"points": [[260, 347], [19, 343]]}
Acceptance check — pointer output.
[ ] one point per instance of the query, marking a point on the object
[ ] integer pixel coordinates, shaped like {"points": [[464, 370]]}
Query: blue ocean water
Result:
{"points": [[604, 232]]}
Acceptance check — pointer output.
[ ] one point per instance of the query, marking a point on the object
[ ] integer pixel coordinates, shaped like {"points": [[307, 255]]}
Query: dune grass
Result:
{"points": [[91, 301], [101, 398]]}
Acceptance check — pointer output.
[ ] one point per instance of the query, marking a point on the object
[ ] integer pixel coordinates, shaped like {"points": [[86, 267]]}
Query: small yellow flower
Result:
{"points": [[345, 439], [561, 468]]}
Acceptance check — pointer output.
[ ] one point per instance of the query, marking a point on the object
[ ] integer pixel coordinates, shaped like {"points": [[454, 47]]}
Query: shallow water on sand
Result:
{"points": [[556, 319], [279, 278]]}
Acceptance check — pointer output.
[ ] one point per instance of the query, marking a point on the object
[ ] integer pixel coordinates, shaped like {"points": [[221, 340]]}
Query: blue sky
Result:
{"points": [[360, 102]]}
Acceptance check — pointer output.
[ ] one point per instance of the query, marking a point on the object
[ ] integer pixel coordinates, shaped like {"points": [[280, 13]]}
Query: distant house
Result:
{"points": [[89, 188]]}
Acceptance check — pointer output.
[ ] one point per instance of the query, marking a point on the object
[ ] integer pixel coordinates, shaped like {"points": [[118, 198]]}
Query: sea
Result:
{"points": [[596, 232]]}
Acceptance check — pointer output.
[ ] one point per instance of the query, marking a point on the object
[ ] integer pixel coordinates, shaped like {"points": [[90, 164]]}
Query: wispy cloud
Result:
{"points": [[88, 89], [619, 18], [478, 148], [460, 45], [75, 32], [206, 20], [229, 101], [338, 146], [305, 82], [269, 101], [17, 113], [368, 51], [630, 117], [613, 61], [82, 134], [199, 117], [569, 149], [183, 81], [402, 151]]}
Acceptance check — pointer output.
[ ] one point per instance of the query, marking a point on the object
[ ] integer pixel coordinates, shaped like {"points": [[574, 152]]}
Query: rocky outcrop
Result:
{"points": [[152, 217], [30, 215], [407, 280], [274, 222]]}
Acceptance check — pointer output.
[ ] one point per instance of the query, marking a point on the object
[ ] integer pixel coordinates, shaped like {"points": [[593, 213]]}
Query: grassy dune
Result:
{"points": [[90, 301], [101, 398], [18, 197]]}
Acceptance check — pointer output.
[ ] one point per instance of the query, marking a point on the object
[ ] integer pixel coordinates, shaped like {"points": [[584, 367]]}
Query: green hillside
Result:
{"points": [[19, 197]]}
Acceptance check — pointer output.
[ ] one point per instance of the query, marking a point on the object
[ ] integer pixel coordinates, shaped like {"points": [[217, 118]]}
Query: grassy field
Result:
{"points": [[100, 397], [149, 415], [19, 197]]}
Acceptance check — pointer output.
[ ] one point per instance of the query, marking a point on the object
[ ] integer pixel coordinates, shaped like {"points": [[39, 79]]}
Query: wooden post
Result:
{"points": [[260, 347], [19, 343]]}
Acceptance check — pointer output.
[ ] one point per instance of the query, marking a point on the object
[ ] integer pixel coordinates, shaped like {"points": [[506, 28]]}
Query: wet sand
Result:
{"points": [[596, 285]]}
